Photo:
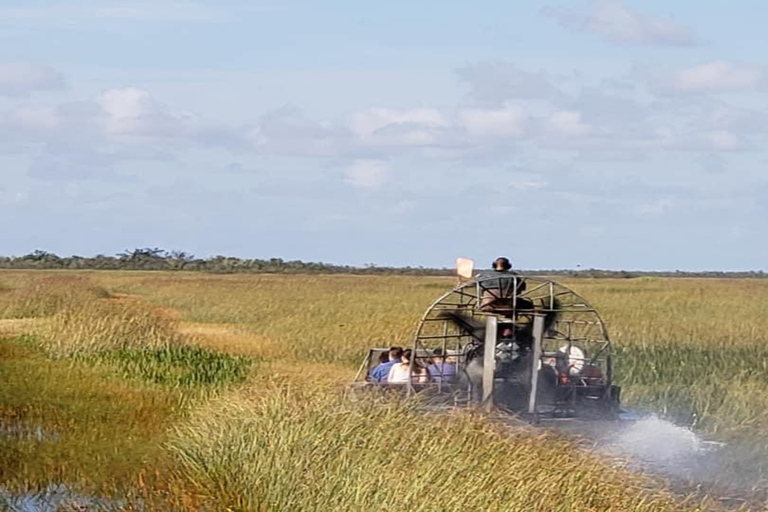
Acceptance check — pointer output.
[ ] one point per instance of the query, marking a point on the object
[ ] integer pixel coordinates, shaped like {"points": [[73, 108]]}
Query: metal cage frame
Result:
{"points": [[511, 298], [563, 329]]}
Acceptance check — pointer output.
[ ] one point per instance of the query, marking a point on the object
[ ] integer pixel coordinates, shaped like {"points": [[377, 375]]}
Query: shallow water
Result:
{"points": [[56, 497], [733, 473], [658, 444], [26, 432]]}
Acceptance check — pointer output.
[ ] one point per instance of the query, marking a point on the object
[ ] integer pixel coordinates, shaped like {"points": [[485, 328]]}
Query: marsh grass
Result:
{"points": [[183, 366], [280, 448], [693, 349], [48, 295], [100, 325], [102, 434]]}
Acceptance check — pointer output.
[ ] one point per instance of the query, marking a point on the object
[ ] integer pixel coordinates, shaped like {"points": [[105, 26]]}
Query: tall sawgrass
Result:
{"points": [[309, 318], [675, 339], [77, 318], [99, 326], [182, 366], [690, 348], [48, 295], [281, 448]]}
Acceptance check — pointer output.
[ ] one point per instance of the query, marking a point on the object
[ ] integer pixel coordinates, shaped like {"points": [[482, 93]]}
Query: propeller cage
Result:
{"points": [[526, 344]]}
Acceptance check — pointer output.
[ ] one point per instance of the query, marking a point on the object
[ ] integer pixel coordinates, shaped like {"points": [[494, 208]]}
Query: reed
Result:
{"points": [[279, 448], [45, 296], [98, 326], [693, 349]]}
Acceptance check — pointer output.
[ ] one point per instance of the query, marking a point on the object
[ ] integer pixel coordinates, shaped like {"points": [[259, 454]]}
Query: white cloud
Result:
{"points": [[620, 24], [567, 123], [289, 131], [22, 78], [718, 76], [501, 81], [131, 115], [508, 121], [367, 123], [367, 173], [129, 110]]}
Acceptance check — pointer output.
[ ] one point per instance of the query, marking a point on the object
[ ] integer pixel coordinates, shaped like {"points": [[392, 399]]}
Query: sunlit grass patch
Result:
{"points": [[10, 327], [232, 339], [285, 448], [182, 366], [48, 295], [99, 326]]}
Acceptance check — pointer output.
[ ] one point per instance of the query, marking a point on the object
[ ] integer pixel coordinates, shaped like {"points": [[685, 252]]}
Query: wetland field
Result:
{"points": [[192, 391]]}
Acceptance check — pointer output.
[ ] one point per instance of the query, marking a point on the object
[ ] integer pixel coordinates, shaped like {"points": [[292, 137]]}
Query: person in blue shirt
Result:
{"points": [[381, 372], [441, 370]]}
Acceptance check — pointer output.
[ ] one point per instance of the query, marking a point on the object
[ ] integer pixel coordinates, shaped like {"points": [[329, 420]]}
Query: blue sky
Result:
{"points": [[596, 133]]}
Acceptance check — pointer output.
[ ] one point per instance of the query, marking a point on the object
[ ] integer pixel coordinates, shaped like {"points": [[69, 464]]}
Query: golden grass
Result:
{"points": [[99, 326], [10, 327], [231, 339], [279, 447], [47, 295], [724, 313], [684, 346], [692, 348]]}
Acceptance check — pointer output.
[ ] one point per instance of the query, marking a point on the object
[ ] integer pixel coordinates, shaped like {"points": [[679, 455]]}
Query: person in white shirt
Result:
{"points": [[400, 373]]}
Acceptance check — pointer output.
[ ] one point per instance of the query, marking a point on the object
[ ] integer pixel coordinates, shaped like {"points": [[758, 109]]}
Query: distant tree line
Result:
{"points": [[160, 259]]}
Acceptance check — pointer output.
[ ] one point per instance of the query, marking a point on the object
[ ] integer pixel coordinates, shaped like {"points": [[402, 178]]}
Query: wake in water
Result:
{"points": [[661, 446], [734, 473]]}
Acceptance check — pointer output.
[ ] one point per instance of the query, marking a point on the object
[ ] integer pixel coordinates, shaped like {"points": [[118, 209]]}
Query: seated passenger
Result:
{"points": [[441, 369], [401, 373], [383, 359], [381, 372]]}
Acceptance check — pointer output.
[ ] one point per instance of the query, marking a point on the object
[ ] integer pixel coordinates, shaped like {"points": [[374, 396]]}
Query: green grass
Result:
{"points": [[183, 366], [98, 432]]}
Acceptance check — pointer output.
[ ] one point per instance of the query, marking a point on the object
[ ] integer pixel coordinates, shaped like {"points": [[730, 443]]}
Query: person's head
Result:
{"points": [[501, 263], [384, 356], [406, 356], [438, 355], [395, 353]]}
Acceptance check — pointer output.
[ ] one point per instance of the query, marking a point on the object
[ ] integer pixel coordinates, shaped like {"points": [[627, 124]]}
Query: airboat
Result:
{"points": [[523, 344]]}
